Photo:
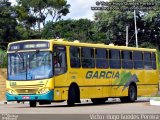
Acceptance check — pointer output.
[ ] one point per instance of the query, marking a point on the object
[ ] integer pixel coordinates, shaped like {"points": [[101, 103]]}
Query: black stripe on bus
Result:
{"points": [[105, 85]]}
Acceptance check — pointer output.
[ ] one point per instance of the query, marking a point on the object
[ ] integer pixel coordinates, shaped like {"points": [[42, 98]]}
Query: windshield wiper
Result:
{"points": [[37, 51], [22, 60], [19, 56], [32, 56]]}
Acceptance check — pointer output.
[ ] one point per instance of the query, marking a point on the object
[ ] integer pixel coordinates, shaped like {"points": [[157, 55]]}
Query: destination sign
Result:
{"points": [[29, 46]]}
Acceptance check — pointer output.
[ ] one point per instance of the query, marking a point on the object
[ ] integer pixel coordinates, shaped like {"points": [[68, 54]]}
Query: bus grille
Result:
{"points": [[26, 91]]}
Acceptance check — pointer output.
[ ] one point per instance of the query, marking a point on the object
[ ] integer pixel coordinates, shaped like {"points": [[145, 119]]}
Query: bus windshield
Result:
{"points": [[30, 65]]}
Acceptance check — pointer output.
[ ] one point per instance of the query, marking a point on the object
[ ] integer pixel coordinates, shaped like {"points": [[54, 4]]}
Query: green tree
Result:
{"points": [[8, 22], [70, 29], [39, 10], [3, 60], [112, 24], [57, 9], [24, 18]]}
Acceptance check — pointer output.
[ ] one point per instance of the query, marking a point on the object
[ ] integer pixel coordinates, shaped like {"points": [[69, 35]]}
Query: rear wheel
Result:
{"points": [[32, 103], [98, 100], [132, 95], [71, 96]]}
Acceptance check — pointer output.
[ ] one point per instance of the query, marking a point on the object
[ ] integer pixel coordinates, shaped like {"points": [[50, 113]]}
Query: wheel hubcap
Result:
{"points": [[132, 93]]}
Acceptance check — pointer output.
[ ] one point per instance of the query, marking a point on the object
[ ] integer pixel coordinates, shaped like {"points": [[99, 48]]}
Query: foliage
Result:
{"points": [[36, 11], [113, 24], [3, 60], [148, 45], [28, 21], [24, 20], [110, 24], [69, 29], [8, 22]]}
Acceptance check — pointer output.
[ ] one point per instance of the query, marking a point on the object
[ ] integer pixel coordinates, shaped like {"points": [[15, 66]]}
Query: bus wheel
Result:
{"points": [[32, 103], [98, 100], [71, 96], [132, 93]]}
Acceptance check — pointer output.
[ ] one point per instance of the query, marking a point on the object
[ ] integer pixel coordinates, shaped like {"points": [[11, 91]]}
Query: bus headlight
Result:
{"points": [[43, 90], [12, 92]]}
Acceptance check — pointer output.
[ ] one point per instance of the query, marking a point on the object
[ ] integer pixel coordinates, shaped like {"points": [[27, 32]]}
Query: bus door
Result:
{"points": [[60, 70]]}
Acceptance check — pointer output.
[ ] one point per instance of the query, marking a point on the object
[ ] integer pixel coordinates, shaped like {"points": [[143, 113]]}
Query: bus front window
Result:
{"points": [[29, 65]]}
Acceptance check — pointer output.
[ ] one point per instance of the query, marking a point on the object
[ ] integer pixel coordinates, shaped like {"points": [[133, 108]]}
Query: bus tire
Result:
{"points": [[71, 96], [98, 100], [132, 93], [33, 103]]}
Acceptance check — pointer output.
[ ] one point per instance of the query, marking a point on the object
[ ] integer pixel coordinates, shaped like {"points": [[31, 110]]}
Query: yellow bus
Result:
{"points": [[45, 71]]}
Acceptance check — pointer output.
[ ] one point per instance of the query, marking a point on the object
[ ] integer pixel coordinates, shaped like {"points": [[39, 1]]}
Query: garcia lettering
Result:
{"points": [[102, 74]]}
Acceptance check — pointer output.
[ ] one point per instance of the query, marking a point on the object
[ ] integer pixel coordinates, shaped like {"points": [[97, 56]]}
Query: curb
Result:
{"points": [[155, 102], [3, 102]]}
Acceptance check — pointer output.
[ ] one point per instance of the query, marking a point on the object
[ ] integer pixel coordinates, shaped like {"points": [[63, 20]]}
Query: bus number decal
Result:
{"points": [[12, 83]]}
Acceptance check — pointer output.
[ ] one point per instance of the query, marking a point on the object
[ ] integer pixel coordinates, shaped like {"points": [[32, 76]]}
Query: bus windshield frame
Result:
{"points": [[30, 65]]}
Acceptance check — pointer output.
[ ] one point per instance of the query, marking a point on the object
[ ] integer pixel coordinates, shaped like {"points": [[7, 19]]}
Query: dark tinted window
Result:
{"points": [[101, 58], [154, 61], [138, 60], [87, 56], [75, 57], [147, 60], [127, 60], [60, 61], [114, 61]]}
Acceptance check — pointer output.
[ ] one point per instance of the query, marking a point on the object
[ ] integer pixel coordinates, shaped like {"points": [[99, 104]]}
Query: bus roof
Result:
{"points": [[99, 45], [77, 43]]}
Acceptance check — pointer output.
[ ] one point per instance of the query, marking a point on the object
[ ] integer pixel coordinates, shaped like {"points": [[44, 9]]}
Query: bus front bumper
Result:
{"points": [[31, 97]]}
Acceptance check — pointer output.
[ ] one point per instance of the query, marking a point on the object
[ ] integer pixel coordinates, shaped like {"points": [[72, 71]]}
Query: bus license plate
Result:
{"points": [[25, 97]]}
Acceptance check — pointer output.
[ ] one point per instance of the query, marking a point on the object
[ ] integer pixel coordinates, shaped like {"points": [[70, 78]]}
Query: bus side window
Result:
{"points": [[138, 60], [60, 61], [154, 66], [147, 60], [127, 62], [75, 57], [114, 61], [87, 56], [101, 58]]}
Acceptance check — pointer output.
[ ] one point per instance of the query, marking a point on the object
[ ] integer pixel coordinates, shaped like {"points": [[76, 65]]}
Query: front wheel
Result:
{"points": [[71, 96], [32, 103]]}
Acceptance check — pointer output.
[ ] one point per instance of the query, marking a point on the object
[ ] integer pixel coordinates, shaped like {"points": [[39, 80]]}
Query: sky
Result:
{"points": [[79, 9]]}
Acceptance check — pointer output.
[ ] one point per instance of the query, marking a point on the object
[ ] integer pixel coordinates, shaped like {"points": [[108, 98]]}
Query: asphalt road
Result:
{"points": [[113, 107]]}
